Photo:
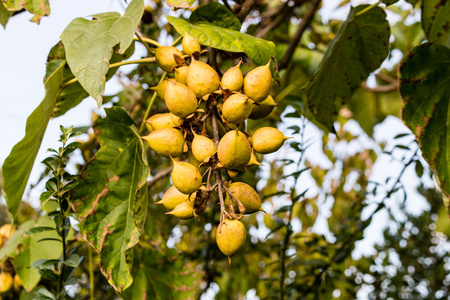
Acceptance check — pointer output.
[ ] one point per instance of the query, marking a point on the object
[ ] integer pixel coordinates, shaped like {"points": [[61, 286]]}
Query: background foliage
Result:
{"points": [[317, 211]]}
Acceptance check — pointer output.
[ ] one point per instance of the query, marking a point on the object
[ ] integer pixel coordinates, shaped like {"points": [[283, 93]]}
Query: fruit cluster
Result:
{"points": [[206, 123]]}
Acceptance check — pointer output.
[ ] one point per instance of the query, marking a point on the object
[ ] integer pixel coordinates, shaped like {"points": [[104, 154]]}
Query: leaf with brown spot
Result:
{"points": [[436, 21], [39, 8], [359, 47], [109, 194], [425, 90]]}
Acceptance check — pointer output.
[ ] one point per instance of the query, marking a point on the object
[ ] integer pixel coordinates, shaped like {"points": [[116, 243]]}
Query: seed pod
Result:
{"points": [[164, 57], [6, 232], [17, 282], [180, 100], [167, 142], [184, 210], [267, 140], [258, 83], [202, 79], [160, 89], [190, 44], [185, 177], [230, 237], [262, 109], [232, 79], [234, 150], [181, 74], [6, 282], [237, 108], [173, 197], [202, 147], [159, 121], [247, 195], [175, 120]]}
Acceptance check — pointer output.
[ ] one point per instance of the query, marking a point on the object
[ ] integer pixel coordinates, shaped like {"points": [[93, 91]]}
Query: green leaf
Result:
{"points": [[359, 47], [38, 230], [258, 50], [44, 294], [425, 91], [216, 14], [4, 15], [33, 250], [435, 21], [89, 45], [110, 200], [39, 8], [17, 167], [15, 240], [180, 3]]}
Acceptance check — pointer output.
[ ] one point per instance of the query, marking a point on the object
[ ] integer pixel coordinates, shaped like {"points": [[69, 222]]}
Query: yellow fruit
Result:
{"points": [[184, 210], [180, 100], [190, 44], [232, 79], [164, 57], [267, 140], [181, 74], [159, 121], [167, 142], [202, 147], [247, 195], [6, 232], [175, 120], [6, 282], [202, 79], [258, 83], [237, 108], [185, 177], [160, 89], [234, 150], [230, 237], [262, 109], [173, 197], [17, 282]]}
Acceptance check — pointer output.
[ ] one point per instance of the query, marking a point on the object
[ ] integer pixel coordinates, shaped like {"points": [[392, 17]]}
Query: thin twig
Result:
{"points": [[381, 88], [306, 20], [159, 175]]}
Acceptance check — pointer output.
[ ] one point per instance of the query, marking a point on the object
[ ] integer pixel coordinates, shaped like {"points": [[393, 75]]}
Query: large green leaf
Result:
{"points": [[110, 200], [216, 14], [425, 91], [359, 47], [436, 21], [258, 50], [163, 275], [34, 250], [89, 45], [4, 15], [39, 8], [17, 166]]}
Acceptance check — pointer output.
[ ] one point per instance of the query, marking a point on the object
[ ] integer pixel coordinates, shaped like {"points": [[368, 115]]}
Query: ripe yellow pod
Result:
{"points": [[232, 79], [6, 282], [202, 147], [164, 57], [190, 44], [173, 197], [237, 108], [234, 150], [159, 121], [184, 210], [185, 177], [202, 78], [160, 89], [167, 142], [247, 195], [267, 140], [262, 109], [181, 74], [230, 237], [258, 83], [180, 100]]}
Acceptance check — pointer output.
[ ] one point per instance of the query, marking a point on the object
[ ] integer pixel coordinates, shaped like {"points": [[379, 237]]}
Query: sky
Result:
{"points": [[23, 51]]}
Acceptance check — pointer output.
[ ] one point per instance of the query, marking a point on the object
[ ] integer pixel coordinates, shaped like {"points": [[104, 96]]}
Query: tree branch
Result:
{"points": [[306, 20]]}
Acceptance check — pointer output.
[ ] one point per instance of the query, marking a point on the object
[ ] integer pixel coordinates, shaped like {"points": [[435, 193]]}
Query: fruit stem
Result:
{"points": [[220, 185], [152, 100], [146, 41], [177, 41], [241, 206]]}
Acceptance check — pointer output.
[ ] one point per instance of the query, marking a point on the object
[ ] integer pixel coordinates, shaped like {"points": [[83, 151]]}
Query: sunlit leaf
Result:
{"points": [[425, 91], [180, 3], [39, 8], [359, 48], [109, 201], [89, 45], [258, 50]]}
